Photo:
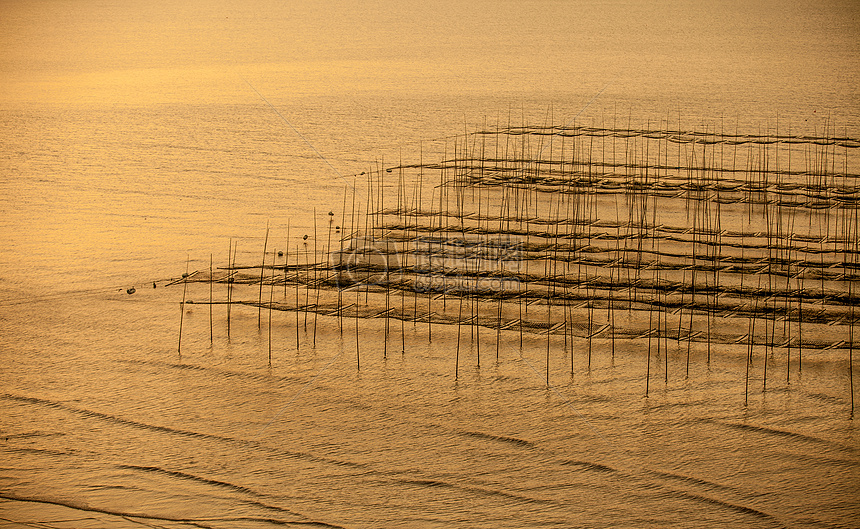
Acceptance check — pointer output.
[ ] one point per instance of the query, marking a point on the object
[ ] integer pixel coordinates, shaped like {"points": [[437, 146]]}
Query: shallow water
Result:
{"points": [[218, 434], [135, 138]]}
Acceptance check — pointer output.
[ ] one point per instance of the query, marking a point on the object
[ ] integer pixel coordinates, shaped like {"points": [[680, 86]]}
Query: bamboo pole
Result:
{"points": [[648, 365], [357, 340], [386, 262], [230, 261], [182, 306], [298, 346], [315, 283], [271, 301], [340, 263], [262, 270], [211, 287]]}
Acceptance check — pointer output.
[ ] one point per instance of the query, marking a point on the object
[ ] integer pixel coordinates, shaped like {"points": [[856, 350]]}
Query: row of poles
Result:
{"points": [[654, 234]]}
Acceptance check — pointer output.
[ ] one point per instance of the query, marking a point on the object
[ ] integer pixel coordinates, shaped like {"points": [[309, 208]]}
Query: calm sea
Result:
{"points": [[138, 138]]}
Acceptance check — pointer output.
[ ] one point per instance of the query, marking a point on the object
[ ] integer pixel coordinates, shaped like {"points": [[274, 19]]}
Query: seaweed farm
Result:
{"points": [[448, 264], [726, 243]]}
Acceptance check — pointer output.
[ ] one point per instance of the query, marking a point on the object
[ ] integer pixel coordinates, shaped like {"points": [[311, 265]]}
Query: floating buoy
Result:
{"points": [[154, 285], [131, 290], [280, 254], [305, 237]]}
